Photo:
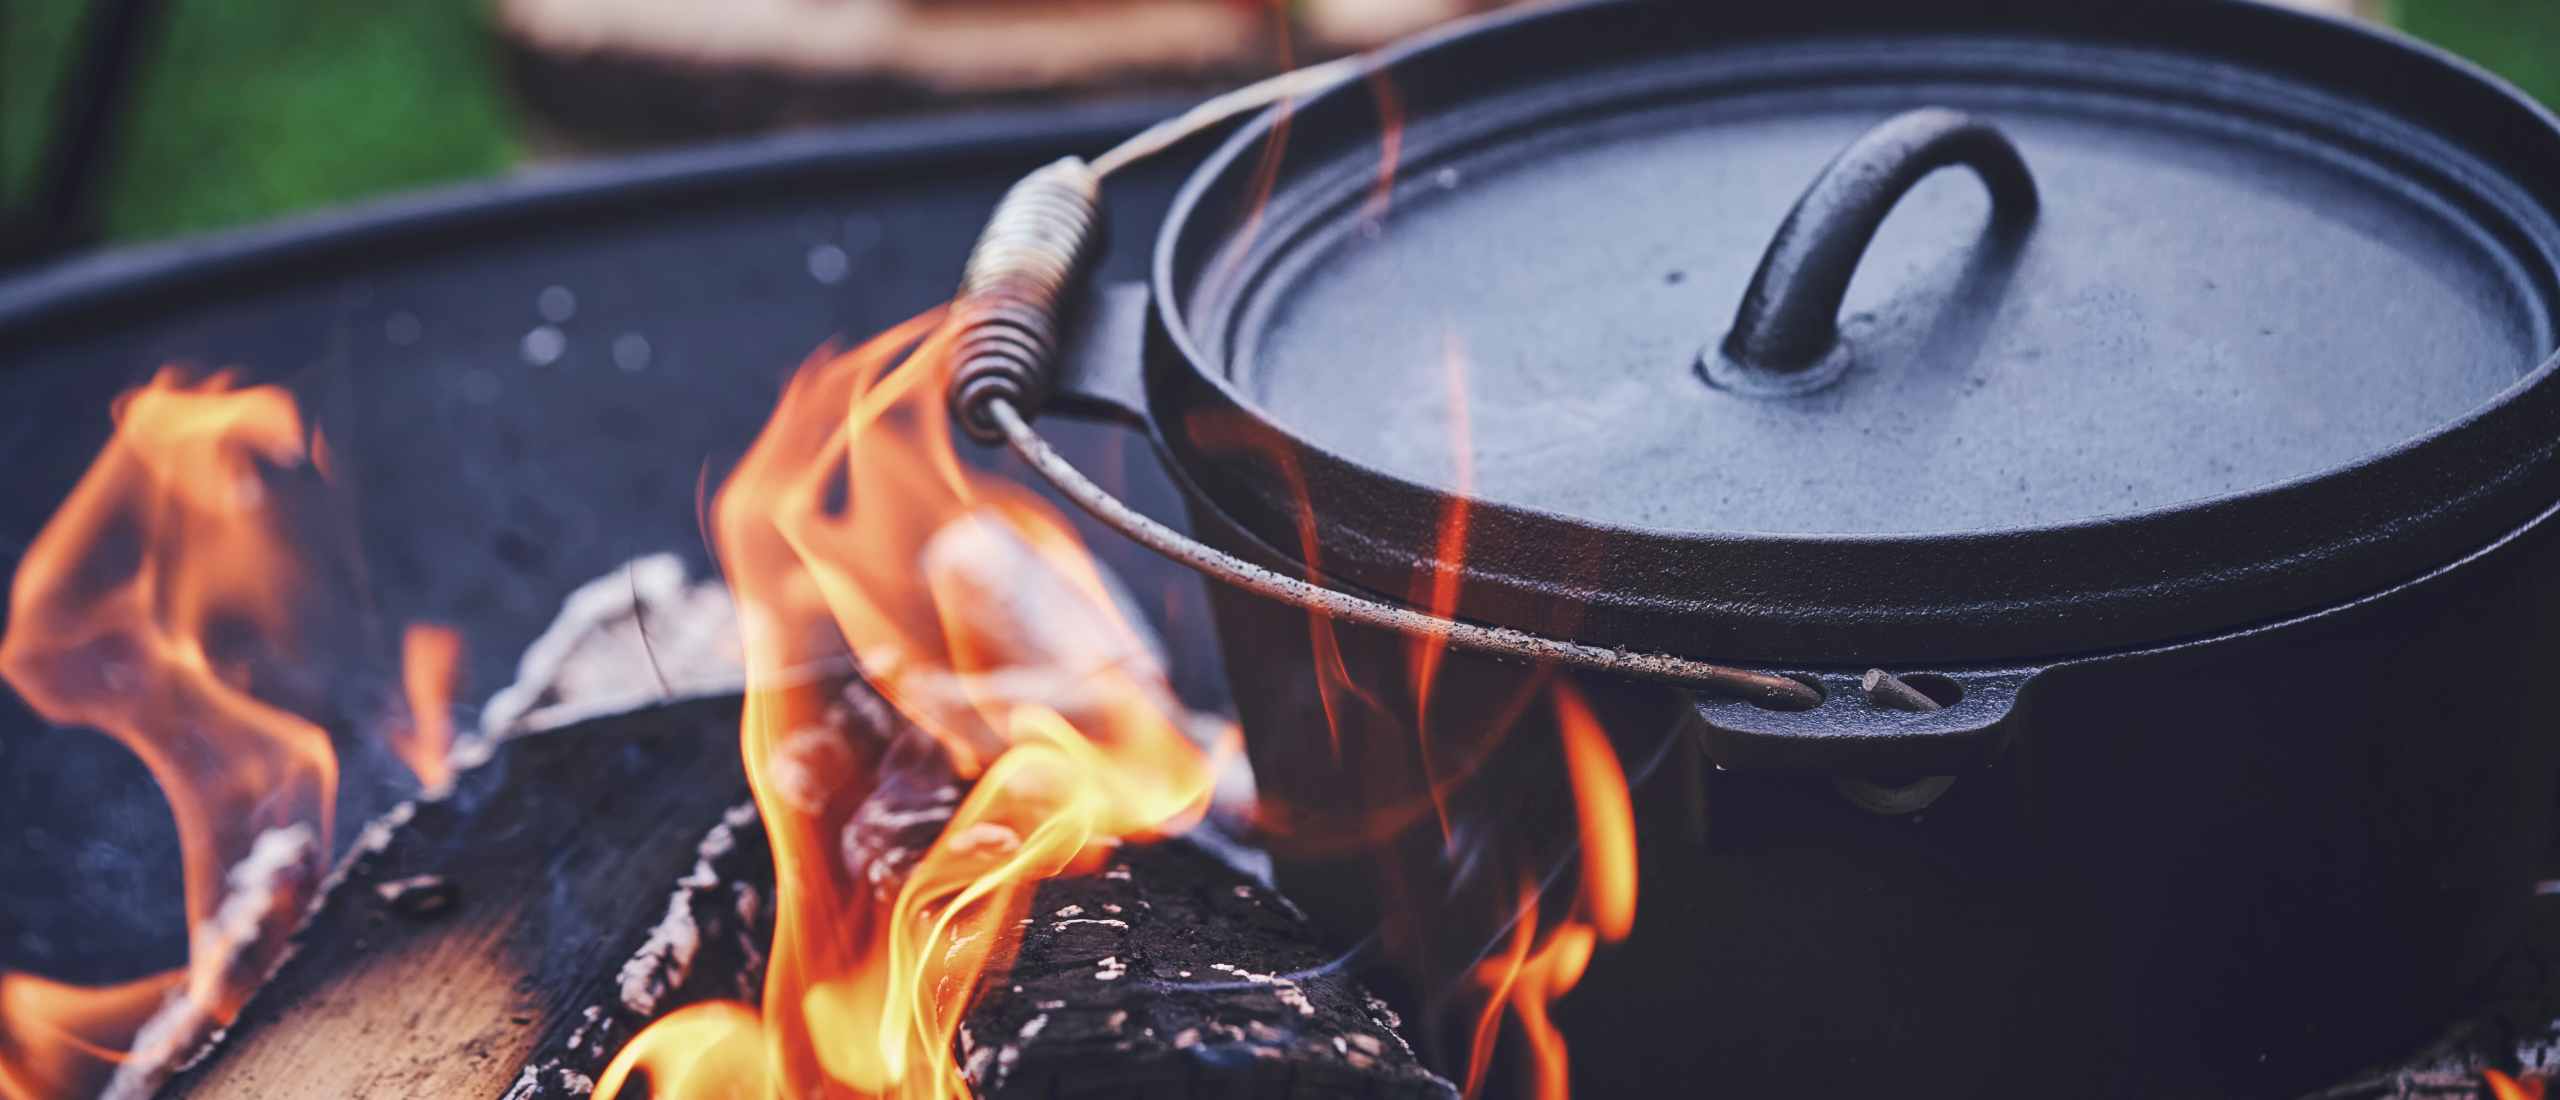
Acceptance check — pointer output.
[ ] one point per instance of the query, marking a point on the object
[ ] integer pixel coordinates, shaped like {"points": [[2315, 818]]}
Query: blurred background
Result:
{"points": [[126, 120]]}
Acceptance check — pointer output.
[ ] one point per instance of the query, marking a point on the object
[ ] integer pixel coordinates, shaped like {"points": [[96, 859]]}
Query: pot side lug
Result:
{"points": [[1102, 368], [1852, 735]]}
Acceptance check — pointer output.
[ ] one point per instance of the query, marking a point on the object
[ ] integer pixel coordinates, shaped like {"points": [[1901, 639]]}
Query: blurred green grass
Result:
{"points": [[253, 108], [2517, 39]]}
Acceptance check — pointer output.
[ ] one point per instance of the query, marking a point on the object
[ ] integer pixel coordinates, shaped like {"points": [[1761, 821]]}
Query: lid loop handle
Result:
{"points": [[1786, 338]]}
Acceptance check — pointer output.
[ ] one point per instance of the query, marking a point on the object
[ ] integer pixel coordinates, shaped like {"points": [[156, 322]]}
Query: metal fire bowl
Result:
{"points": [[488, 488]]}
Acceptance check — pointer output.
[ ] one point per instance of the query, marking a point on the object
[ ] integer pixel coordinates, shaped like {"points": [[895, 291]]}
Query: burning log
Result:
{"points": [[711, 945], [1172, 973], [520, 921]]}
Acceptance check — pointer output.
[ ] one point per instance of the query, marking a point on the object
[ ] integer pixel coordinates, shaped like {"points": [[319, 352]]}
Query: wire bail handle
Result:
{"points": [[1035, 252]]}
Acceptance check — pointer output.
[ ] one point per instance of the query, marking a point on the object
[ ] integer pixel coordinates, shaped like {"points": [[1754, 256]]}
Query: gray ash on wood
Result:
{"points": [[1169, 974], [717, 933], [918, 792], [711, 945]]}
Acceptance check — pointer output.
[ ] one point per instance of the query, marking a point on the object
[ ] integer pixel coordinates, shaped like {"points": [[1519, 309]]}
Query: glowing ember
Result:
{"points": [[149, 607], [852, 526], [2513, 1088]]}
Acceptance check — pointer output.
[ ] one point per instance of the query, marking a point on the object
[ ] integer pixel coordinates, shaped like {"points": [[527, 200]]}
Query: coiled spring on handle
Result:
{"points": [[1010, 314], [1037, 246]]}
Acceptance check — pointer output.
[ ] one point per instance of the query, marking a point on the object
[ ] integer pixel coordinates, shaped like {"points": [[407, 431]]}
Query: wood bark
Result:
{"points": [[553, 862], [1171, 974]]}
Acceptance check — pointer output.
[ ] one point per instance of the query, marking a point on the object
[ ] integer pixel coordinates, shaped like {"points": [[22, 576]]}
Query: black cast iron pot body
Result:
{"points": [[2204, 476]]}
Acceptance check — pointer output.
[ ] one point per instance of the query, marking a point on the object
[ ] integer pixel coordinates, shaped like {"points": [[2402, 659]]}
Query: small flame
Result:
{"points": [[1390, 103], [709, 1051], [153, 601], [852, 526], [430, 673], [1447, 564], [2504, 1087], [1525, 981], [1606, 813]]}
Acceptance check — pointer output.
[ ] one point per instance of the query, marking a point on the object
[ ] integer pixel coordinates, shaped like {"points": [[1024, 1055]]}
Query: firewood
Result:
{"points": [[1172, 974], [476, 930]]}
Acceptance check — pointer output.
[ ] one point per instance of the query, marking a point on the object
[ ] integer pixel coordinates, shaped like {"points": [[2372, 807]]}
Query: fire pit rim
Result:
{"points": [[72, 295]]}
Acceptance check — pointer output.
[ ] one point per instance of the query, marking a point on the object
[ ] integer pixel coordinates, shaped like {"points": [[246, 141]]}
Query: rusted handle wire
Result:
{"points": [[1037, 247]]}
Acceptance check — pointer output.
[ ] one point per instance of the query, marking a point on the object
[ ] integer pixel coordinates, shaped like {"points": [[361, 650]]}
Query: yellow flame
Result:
{"points": [[144, 609], [852, 526]]}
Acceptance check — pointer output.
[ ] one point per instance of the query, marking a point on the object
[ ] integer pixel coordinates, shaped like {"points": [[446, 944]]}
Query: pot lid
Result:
{"points": [[2194, 298], [2218, 313]]}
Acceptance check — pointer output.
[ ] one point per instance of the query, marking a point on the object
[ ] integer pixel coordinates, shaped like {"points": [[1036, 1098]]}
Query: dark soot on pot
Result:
{"points": [[2206, 303]]}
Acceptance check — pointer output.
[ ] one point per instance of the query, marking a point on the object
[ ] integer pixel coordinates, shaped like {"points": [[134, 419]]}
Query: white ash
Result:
{"points": [[639, 635], [374, 838], [272, 890], [1292, 996], [1119, 924], [887, 837], [1110, 970], [664, 959], [1072, 911], [918, 792], [527, 1083], [1032, 1030]]}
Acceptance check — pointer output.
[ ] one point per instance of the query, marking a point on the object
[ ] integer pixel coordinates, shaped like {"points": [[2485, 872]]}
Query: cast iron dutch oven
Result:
{"points": [[2192, 446]]}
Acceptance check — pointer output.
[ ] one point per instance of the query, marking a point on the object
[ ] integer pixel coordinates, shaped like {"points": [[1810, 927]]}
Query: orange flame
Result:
{"points": [[971, 605], [148, 607], [2513, 1088], [62, 1040], [1606, 813], [709, 1051], [1390, 104], [430, 673], [1604, 907]]}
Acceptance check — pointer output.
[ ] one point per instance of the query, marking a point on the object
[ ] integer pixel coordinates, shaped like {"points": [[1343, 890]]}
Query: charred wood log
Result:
{"points": [[469, 935], [508, 940], [1171, 974]]}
